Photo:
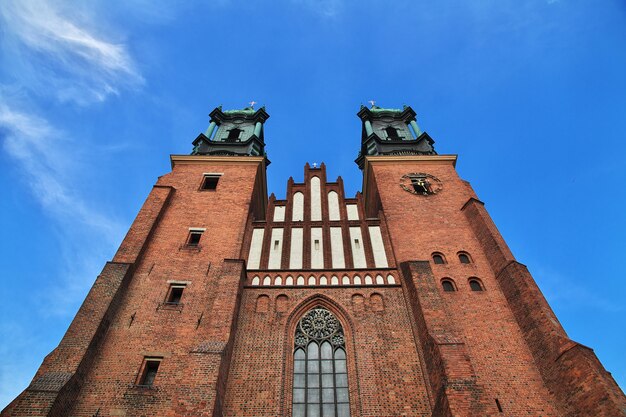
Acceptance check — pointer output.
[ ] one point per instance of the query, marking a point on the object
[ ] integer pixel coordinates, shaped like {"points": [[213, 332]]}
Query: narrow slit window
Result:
{"points": [[317, 244], [276, 243], [210, 182], [357, 244], [499, 406], [175, 294], [149, 371], [194, 237]]}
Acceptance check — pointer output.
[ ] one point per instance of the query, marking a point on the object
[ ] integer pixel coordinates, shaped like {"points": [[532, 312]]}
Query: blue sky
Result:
{"points": [[95, 95]]}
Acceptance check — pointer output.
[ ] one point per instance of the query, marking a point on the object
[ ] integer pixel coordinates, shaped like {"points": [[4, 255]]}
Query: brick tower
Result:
{"points": [[401, 301]]}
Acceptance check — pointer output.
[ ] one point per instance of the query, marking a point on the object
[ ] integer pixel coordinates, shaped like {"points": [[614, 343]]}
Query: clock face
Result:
{"points": [[419, 183]]}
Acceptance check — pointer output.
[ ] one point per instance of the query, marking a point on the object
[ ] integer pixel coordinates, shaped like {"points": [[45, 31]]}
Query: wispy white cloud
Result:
{"points": [[55, 50], [58, 50], [41, 152]]}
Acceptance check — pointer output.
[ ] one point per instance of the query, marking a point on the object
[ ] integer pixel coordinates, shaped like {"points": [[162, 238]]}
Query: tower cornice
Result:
{"points": [[248, 114], [394, 159], [407, 113], [219, 159]]}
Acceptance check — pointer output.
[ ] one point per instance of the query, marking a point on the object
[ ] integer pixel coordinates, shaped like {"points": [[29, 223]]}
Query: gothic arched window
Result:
{"points": [[320, 376]]}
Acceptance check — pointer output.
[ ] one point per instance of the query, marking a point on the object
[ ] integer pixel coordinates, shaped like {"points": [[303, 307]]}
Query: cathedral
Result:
{"points": [[403, 300]]}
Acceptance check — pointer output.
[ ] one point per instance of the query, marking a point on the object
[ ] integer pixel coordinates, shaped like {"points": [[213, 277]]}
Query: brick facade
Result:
{"points": [[227, 348]]}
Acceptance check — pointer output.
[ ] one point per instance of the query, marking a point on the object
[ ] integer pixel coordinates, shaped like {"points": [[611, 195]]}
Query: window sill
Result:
{"points": [[190, 248], [171, 306], [142, 389]]}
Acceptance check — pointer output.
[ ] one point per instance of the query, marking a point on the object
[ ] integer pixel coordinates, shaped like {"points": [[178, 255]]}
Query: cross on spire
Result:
{"points": [[252, 103], [372, 102]]}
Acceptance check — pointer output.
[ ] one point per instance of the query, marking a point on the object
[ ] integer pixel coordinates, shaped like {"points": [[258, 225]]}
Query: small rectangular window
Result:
{"points": [[175, 293], [357, 244], [317, 244], [276, 243], [194, 237], [210, 182], [149, 371]]}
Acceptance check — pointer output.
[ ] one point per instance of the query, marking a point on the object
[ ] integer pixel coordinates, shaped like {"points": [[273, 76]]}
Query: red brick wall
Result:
{"points": [[194, 339], [385, 374], [420, 225]]}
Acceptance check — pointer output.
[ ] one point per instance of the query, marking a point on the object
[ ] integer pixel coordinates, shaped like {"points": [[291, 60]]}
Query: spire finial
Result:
{"points": [[372, 102], [252, 103]]}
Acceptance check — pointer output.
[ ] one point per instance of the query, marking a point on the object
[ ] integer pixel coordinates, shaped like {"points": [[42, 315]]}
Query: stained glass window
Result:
{"points": [[320, 375]]}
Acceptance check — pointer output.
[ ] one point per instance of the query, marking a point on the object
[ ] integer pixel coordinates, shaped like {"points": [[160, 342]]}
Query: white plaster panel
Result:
{"points": [[316, 199], [333, 206], [353, 211], [279, 213], [295, 254], [378, 248], [254, 256], [276, 249], [358, 253], [298, 207], [317, 250], [336, 247]]}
